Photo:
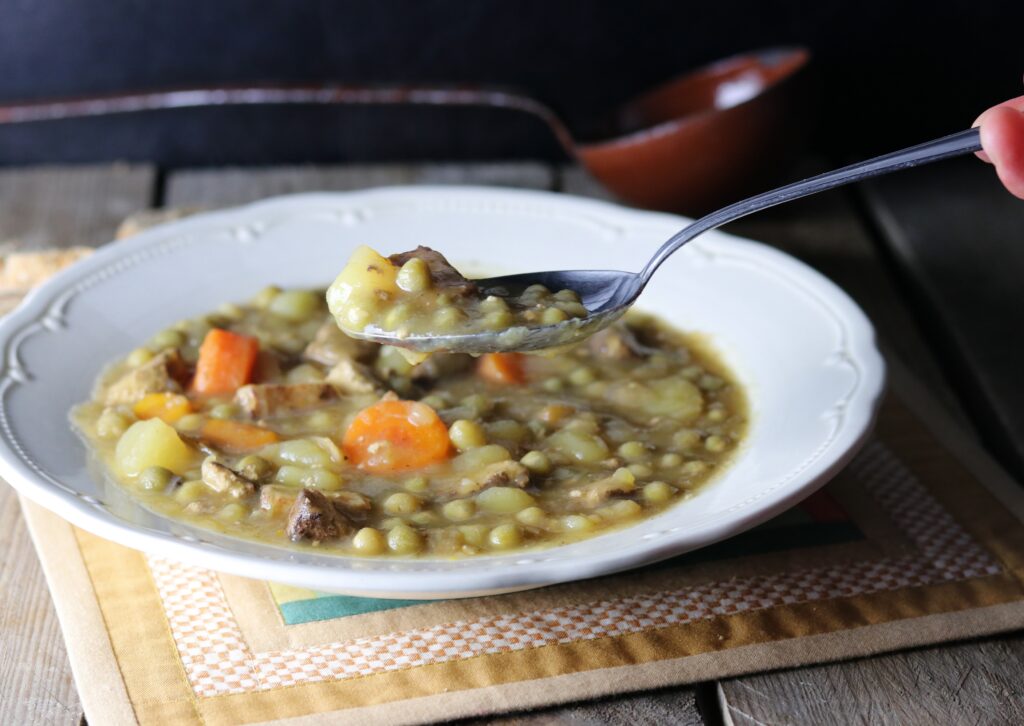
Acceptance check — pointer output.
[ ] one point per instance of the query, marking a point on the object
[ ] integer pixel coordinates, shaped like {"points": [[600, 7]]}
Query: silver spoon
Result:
{"points": [[607, 294]]}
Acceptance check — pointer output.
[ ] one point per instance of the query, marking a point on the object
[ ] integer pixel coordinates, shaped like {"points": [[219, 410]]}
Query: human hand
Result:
{"points": [[1002, 138]]}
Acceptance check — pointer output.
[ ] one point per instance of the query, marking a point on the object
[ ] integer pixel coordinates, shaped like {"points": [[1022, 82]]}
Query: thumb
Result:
{"points": [[1016, 104]]}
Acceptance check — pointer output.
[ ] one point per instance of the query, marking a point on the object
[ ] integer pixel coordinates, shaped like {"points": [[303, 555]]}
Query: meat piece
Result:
{"points": [[447, 541], [266, 400], [163, 372], [267, 367], [352, 377], [593, 493], [315, 517], [276, 499], [221, 478], [330, 345], [439, 365], [442, 274], [352, 503], [617, 342], [498, 474]]}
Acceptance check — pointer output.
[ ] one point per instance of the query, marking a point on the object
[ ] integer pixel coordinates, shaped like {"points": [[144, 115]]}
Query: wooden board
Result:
{"points": [[53, 207], [966, 683], [673, 706], [958, 238], [69, 205], [35, 677]]}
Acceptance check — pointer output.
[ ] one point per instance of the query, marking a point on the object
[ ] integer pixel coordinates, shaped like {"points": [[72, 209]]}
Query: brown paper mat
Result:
{"points": [[920, 540]]}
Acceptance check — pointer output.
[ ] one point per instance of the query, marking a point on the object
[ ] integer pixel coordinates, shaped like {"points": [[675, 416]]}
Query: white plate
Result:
{"points": [[802, 348]]}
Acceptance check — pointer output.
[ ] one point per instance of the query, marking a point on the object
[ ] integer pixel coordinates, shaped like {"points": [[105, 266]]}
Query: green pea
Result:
{"points": [[401, 503], [224, 411], [633, 451], [168, 339], [466, 434], [537, 462], [139, 356], [657, 492], [155, 478], [404, 540], [294, 305], [553, 316], [716, 444], [505, 536], [369, 541], [414, 276], [459, 510]]}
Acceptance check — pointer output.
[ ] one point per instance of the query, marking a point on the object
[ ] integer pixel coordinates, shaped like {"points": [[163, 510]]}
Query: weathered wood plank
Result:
{"points": [[46, 208], [35, 678], [977, 683], [69, 205], [574, 179], [225, 187], [676, 706], [956, 235]]}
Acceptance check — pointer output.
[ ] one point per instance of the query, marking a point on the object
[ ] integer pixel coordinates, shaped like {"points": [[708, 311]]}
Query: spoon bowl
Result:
{"points": [[606, 294]]}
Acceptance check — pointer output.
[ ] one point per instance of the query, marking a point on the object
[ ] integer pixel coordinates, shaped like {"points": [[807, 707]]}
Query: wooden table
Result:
{"points": [[935, 258]]}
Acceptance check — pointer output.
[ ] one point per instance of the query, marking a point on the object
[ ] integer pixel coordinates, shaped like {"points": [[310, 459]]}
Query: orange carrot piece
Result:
{"points": [[225, 363], [502, 368], [394, 435], [168, 407], [234, 437]]}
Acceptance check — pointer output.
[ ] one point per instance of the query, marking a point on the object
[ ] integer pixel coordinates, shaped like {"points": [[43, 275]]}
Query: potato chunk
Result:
{"points": [[674, 397], [356, 293], [152, 443]]}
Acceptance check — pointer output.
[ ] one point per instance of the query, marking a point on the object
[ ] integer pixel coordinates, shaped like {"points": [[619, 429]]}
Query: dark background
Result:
{"points": [[889, 73]]}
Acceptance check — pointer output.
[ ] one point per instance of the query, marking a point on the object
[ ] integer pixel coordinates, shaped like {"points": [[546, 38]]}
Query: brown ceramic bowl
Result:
{"points": [[706, 138]]}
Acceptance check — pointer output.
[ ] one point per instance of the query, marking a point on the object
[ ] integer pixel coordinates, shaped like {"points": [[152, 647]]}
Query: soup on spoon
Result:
{"points": [[418, 294]]}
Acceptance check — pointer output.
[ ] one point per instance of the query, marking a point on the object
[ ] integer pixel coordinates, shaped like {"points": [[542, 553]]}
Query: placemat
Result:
{"points": [[919, 540]]}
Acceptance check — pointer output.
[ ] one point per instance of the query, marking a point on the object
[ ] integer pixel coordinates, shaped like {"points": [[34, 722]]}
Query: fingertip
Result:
{"points": [[1002, 137]]}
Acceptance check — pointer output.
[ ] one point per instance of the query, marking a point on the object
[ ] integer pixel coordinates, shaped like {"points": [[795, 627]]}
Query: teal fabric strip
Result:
{"points": [[329, 607]]}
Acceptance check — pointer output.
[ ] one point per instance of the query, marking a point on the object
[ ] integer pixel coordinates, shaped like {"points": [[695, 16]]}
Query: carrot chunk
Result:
{"points": [[168, 407], [234, 437], [394, 435], [225, 363], [502, 368]]}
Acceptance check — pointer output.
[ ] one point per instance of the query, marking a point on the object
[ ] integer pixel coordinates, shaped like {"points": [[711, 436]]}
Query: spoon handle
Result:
{"points": [[947, 147]]}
